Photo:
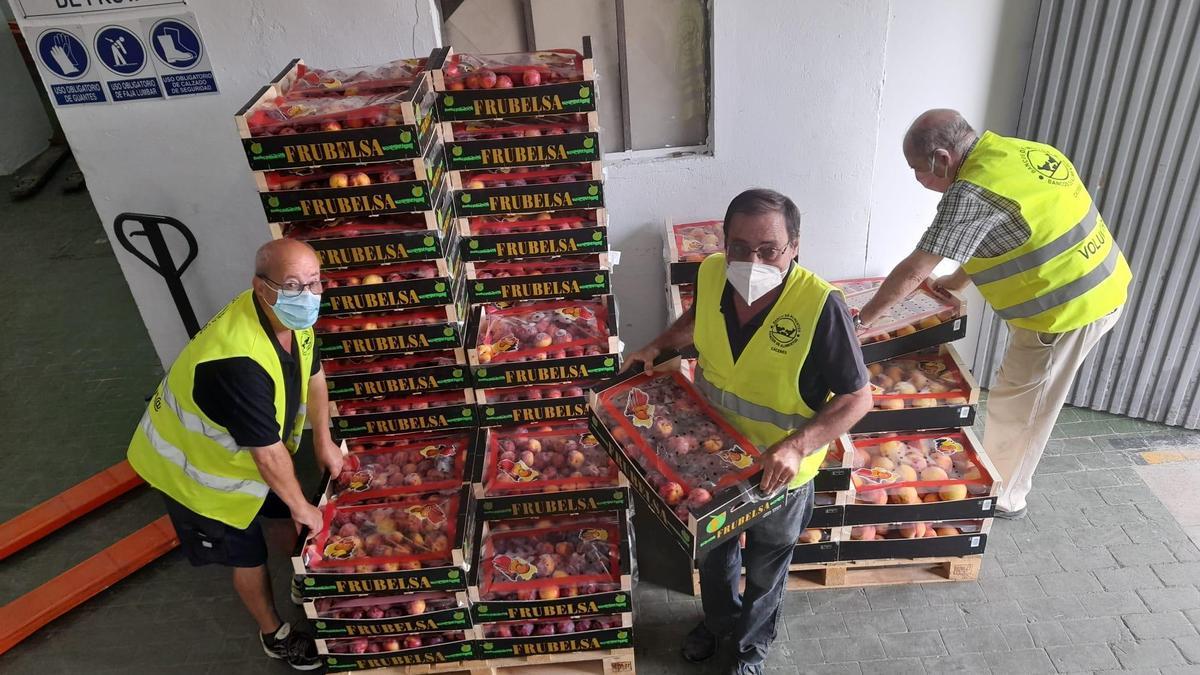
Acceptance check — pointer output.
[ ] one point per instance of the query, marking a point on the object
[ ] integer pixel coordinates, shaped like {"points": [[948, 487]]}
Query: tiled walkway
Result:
{"points": [[1100, 576]]}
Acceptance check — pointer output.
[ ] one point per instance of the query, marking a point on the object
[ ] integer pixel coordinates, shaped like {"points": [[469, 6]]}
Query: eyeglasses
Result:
{"points": [[765, 253], [291, 289]]}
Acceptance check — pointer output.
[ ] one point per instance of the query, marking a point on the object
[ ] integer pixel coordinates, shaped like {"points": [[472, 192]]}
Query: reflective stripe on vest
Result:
{"points": [[195, 424], [177, 457], [1065, 242], [747, 409], [1066, 293]]}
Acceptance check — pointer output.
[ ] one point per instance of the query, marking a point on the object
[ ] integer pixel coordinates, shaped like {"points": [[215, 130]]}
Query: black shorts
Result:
{"points": [[210, 542]]}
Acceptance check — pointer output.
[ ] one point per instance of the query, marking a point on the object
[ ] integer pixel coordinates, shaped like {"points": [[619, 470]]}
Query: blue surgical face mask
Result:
{"points": [[298, 311]]}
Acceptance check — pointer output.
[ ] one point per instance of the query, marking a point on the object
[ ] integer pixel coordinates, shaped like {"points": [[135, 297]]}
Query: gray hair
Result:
{"points": [[938, 129], [760, 201]]}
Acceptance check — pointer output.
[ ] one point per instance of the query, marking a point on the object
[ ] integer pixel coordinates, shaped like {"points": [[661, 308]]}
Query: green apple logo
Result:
{"points": [[405, 136], [487, 645], [465, 649], [478, 287], [620, 598], [320, 624], [310, 582], [448, 332], [256, 148], [457, 372], [456, 151], [466, 412], [448, 101], [599, 278], [587, 143], [343, 424], [428, 241], [466, 198], [473, 244], [418, 191], [490, 412], [331, 661], [439, 287], [482, 609], [585, 92], [622, 635], [717, 522], [458, 616], [593, 191], [608, 362], [452, 574], [482, 372], [273, 201], [597, 236]]}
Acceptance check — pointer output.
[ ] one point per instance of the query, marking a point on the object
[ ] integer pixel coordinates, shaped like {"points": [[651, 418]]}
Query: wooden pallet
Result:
{"points": [[852, 574], [604, 662]]}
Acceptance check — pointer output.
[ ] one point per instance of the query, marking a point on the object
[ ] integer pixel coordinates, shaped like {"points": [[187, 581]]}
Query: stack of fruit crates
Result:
{"points": [[350, 161], [553, 567], [685, 246]]}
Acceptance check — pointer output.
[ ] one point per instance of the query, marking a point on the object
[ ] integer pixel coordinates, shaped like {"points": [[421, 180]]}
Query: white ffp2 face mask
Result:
{"points": [[753, 280]]}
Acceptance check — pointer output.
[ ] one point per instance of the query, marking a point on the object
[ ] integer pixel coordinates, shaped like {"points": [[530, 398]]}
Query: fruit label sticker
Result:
{"points": [[360, 481], [431, 512], [933, 368], [341, 548], [588, 440], [439, 450], [519, 471], [875, 476], [594, 534], [639, 409], [947, 446], [514, 568], [876, 390], [737, 458], [505, 344]]}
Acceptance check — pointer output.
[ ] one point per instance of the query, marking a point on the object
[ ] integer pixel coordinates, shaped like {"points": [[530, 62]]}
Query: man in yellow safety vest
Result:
{"points": [[779, 359], [1019, 219], [218, 436]]}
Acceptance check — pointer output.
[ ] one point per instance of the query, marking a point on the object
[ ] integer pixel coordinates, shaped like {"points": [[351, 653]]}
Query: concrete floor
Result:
{"points": [[1101, 576]]}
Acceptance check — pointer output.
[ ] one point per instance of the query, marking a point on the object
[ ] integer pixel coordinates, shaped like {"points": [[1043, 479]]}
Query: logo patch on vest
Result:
{"points": [[784, 331], [1047, 167]]}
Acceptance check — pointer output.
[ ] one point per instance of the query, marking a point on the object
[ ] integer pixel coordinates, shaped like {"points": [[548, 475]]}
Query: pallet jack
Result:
{"points": [[24, 616]]}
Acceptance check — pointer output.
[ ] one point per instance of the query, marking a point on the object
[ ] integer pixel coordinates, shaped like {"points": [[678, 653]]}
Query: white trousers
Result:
{"points": [[1026, 397]]}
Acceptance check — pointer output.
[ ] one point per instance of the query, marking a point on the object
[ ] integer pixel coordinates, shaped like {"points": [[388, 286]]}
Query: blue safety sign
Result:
{"points": [[179, 50], [66, 67]]}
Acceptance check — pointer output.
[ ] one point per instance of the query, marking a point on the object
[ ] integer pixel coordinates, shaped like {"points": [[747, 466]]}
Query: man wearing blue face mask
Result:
{"points": [[218, 436], [779, 359]]}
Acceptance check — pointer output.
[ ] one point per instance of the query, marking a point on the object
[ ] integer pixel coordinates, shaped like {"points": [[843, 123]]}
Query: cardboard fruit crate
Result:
{"points": [[829, 510], [385, 114], [551, 82], [512, 579], [509, 639], [697, 473], [427, 283], [437, 411], [337, 192], [383, 468], [910, 540], [338, 561], [526, 472], [390, 333], [368, 377], [817, 544], [679, 300], [514, 345], [537, 235], [567, 277], [500, 154], [532, 404], [834, 474], [931, 389], [585, 193], [518, 129], [373, 615], [346, 243], [920, 476], [414, 649], [686, 245], [926, 318]]}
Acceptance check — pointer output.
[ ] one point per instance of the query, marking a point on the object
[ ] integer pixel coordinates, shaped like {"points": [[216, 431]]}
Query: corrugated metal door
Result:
{"points": [[1115, 84]]}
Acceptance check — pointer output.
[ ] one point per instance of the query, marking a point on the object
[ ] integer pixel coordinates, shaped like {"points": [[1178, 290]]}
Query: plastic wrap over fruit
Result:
{"points": [[403, 402], [519, 127], [537, 392], [916, 467], [924, 308], [310, 230], [545, 221], [285, 115], [915, 530], [403, 534], [543, 330], [520, 176], [423, 316], [393, 643], [386, 467], [922, 380], [550, 558], [555, 457], [364, 365], [366, 276], [697, 241], [340, 177], [505, 71], [502, 269], [686, 448], [539, 627], [391, 77], [375, 608]]}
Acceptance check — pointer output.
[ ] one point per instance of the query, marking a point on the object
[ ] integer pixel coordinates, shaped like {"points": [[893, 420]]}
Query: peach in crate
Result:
{"points": [[918, 468]]}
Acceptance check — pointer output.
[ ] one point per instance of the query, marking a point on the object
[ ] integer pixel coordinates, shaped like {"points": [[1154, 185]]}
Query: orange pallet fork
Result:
{"points": [[65, 507], [22, 617]]}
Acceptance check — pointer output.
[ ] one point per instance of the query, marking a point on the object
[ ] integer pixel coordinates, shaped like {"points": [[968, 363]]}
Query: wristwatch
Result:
{"points": [[858, 322]]}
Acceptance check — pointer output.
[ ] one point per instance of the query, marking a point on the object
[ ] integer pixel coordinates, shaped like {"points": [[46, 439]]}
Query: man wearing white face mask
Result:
{"points": [[778, 357], [218, 436]]}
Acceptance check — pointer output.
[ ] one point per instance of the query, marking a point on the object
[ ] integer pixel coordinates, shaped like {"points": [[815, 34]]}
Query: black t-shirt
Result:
{"points": [[240, 396], [834, 362]]}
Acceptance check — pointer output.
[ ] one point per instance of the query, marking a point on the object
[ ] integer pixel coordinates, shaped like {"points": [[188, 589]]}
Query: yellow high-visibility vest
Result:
{"points": [[759, 393], [1070, 271], [180, 451]]}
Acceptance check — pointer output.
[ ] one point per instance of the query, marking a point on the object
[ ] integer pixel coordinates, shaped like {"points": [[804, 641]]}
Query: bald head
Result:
{"points": [[274, 257], [935, 145]]}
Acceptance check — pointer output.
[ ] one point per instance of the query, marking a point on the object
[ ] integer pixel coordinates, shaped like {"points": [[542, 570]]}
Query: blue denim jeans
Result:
{"points": [[750, 617]]}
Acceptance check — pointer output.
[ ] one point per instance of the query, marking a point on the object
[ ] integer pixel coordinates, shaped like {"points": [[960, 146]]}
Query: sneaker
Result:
{"points": [[743, 668], [1011, 515], [297, 598], [299, 650], [699, 645]]}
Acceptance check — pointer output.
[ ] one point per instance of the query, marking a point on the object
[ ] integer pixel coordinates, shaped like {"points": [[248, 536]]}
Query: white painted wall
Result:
{"points": [[27, 131], [971, 56], [182, 158]]}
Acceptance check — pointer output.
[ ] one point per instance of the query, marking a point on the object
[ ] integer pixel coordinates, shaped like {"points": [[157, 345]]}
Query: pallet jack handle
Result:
{"points": [[163, 263]]}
